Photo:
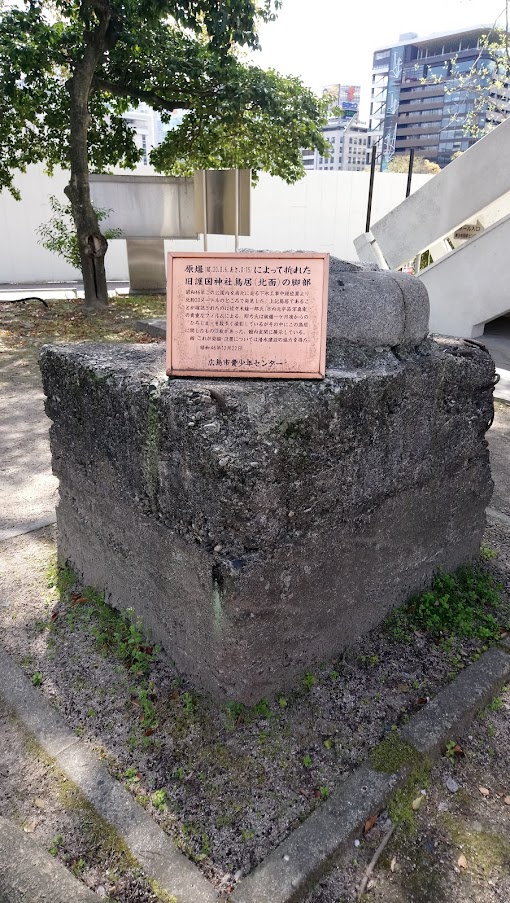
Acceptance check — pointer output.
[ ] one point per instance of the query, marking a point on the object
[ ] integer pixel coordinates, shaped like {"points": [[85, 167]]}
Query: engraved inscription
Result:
{"points": [[247, 315]]}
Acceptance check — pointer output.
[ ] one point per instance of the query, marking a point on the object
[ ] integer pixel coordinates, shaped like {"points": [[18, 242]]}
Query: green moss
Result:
{"points": [[400, 807], [152, 445], [156, 888], [484, 850], [392, 754]]}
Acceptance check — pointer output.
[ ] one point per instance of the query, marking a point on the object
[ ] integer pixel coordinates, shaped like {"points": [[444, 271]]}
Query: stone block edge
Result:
{"points": [[279, 879]]}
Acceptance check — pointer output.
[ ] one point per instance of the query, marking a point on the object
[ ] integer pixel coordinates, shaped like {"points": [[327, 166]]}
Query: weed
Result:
{"points": [[158, 800], [247, 834], [131, 775], [92, 713], [496, 704], [205, 849], [188, 703], [307, 761], [60, 578], [78, 866], [282, 702], [487, 554], [236, 712], [450, 750], [309, 681], [324, 792], [328, 744], [56, 844], [148, 717], [334, 675], [179, 773], [262, 710], [37, 678], [370, 660], [459, 604]]}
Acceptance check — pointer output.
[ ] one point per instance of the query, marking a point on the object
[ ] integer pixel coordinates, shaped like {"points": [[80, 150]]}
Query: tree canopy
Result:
{"points": [[400, 163], [70, 70]]}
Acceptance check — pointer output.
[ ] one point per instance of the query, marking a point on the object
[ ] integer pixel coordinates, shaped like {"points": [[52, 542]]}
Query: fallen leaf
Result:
{"points": [[484, 791], [369, 824], [30, 826], [452, 785], [54, 616], [462, 861], [422, 700], [507, 800], [149, 732], [39, 803], [393, 864], [457, 750], [417, 802]]}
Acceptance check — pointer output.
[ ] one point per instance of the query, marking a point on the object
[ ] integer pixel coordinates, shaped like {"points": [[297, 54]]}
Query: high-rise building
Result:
{"points": [[346, 135], [418, 101]]}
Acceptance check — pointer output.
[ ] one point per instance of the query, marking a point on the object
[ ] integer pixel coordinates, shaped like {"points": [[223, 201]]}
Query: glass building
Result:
{"points": [[422, 95]]}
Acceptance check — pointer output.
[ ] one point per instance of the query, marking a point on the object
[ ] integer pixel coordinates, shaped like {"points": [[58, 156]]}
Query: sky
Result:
{"points": [[328, 41]]}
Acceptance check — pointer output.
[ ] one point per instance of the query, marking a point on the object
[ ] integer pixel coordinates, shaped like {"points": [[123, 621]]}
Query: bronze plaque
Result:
{"points": [[258, 315]]}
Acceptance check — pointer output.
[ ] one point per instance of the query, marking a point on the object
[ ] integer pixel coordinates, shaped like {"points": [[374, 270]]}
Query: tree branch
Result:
{"points": [[149, 97]]}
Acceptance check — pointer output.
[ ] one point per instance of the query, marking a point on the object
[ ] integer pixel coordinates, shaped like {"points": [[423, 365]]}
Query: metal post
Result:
{"points": [[410, 172], [236, 213], [204, 210], [371, 188]]}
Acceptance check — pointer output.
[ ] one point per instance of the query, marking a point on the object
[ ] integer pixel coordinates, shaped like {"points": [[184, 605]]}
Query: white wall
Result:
{"points": [[324, 211]]}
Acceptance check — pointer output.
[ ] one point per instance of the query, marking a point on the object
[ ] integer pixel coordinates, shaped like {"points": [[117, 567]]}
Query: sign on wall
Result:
{"points": [[247, 315]]}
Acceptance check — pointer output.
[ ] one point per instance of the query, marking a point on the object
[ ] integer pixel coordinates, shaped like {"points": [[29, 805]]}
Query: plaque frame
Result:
{"points": [[217, 372]]}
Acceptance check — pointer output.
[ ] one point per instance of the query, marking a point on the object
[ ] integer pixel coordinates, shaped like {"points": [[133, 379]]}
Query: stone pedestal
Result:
{"points": [[260, 526]]}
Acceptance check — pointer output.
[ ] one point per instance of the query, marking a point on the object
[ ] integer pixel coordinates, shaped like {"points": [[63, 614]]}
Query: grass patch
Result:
{"points": [[31, 324], [462, 604]]}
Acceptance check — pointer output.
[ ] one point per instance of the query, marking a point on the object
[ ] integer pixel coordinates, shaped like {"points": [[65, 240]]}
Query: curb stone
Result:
{"points": [[148, 843], [291, 870], [29, 874]]}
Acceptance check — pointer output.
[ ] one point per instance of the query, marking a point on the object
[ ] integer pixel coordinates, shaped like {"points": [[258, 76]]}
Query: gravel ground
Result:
{"points": [[456, 849], [229, 784]]}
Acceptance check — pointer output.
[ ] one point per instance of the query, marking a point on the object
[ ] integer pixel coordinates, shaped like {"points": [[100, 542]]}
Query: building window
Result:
{"points": [[145, 156]]}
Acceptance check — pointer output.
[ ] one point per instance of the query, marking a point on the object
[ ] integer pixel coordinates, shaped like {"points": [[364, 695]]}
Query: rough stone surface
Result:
{"points": [[260, 526], [375, 308], [30, 875]]}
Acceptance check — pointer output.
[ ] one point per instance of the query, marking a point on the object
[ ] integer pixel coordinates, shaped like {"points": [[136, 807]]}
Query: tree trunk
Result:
{"points": [[92, 244]]}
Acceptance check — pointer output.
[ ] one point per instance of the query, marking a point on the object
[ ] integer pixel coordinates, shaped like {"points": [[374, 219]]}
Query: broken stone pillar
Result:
{"points": [[260, 526]]}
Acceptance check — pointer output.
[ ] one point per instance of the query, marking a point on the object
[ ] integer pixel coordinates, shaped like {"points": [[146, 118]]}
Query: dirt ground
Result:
{"points": [[228, 784]]}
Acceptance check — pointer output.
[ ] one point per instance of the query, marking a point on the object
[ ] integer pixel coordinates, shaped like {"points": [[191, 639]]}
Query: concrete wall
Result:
{"points": [[322, 212]]}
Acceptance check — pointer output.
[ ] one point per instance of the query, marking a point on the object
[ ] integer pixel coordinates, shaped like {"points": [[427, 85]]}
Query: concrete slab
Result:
{"points": [[30, 875], [450, 711]]}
